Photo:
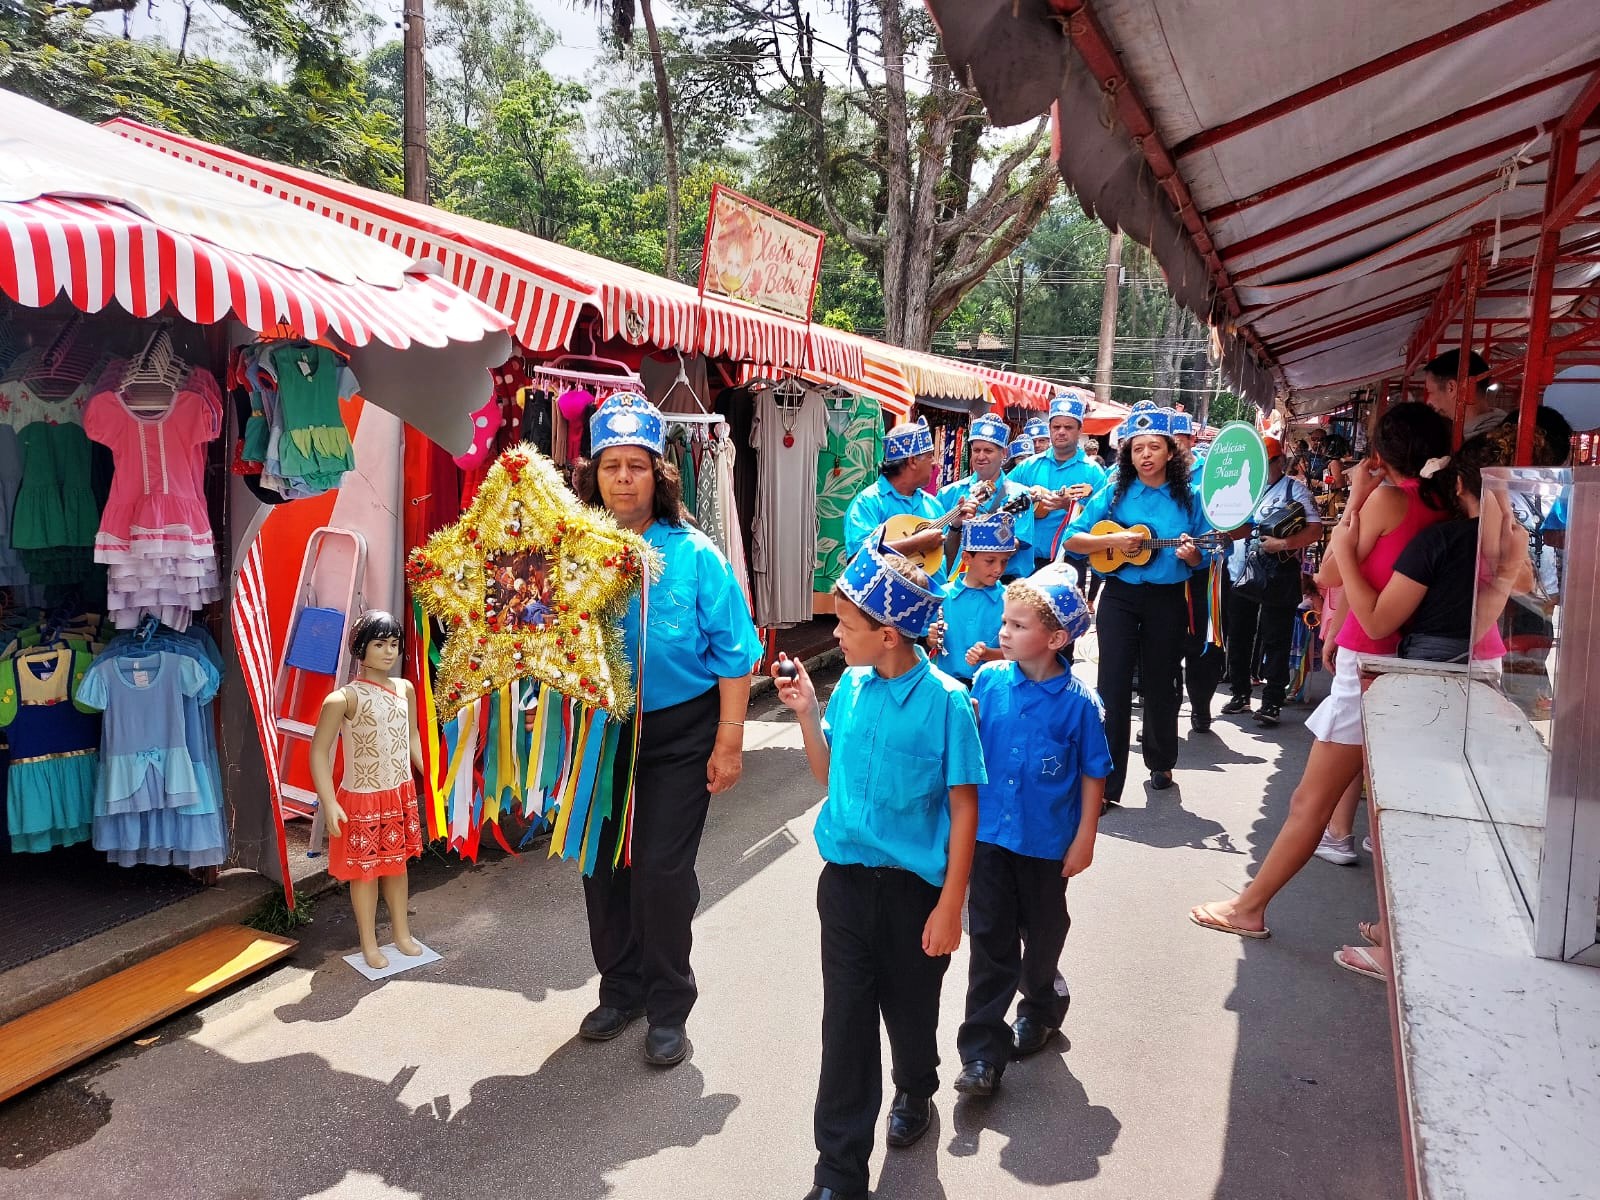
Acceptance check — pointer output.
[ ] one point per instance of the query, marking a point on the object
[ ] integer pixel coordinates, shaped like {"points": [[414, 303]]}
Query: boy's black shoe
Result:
{"points": [[978, 1078], [604, 1023], [1201, 722], [1029, 1036], [909, 1118], [822, 1193], [1268, 715], [1236, 706], [1161, 780], [665, 1045]]}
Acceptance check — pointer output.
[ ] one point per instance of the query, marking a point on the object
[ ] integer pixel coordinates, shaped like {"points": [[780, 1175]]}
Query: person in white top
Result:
{"points": [[1271, 613]]}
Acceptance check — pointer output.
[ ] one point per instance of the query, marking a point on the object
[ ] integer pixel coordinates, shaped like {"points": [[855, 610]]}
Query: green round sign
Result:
{"points": [[1234, 477]]}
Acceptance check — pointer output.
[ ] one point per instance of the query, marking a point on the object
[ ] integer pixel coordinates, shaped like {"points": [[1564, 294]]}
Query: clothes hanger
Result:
{"points": [[790, 392], [63, 366], [682, 381], [154, 375]]}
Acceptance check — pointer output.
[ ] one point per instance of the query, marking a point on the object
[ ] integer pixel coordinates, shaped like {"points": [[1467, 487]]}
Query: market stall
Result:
{"points": [[134, 287]]}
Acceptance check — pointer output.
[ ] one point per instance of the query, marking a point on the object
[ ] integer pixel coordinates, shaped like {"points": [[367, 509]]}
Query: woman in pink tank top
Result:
{"points": [[1405, 438]]}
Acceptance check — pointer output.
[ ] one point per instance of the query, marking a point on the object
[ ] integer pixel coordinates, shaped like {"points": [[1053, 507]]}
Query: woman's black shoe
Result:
{"points": [[909, 1118]]}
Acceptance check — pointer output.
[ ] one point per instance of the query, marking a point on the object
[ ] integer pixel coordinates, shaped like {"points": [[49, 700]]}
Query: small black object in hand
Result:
{"points": [[788, 669]]}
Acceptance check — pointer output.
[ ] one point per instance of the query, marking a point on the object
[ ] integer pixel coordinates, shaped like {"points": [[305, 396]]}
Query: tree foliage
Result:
{"points": [[317, 116]]}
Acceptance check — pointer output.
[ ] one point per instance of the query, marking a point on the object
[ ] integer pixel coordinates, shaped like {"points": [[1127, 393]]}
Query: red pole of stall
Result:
{"points": [[1540, 365]]}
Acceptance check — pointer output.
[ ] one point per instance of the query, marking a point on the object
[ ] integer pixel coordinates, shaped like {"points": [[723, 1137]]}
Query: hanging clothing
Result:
{"points": [[50, 782], [156, 801], [787, 436], [155, 534], [381, 832], [848, 462], [55, 515], [716, 512], [314, 445]]}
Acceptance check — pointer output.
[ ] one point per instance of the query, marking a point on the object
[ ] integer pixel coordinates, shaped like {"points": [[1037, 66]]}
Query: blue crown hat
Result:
{"points": [[1037, 427], [990, 428], [1182, 423], [1069, 405], [1058, 584], [1144, 406], [1148, 420], [1021, 448], [907, 441], [878, 590], [627, 419], [993, 534]]}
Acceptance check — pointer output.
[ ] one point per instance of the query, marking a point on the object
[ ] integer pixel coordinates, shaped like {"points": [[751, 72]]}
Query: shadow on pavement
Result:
{"points": [[1053, 1134], [1312, 1106]]}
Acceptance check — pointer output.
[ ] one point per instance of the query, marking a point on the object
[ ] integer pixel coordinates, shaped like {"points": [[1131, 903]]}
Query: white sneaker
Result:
{"points": [[1366, 843], [1339, 851]]}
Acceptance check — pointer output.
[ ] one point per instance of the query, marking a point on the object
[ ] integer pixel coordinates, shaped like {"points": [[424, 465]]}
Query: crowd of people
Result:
{"points": [[967, 766]]}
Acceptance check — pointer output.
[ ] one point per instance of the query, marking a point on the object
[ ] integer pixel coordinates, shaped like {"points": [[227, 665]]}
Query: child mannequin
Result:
{"points": [[371, 816]]}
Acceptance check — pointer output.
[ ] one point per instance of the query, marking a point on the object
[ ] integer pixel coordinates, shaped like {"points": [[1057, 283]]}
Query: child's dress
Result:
{"points": [[156, 802], [155, 534], [380, 831], [51, 779]]}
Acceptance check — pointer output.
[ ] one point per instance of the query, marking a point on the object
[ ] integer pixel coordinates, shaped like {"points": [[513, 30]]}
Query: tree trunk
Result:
{"points": [[669, 138], [1109, 295]]}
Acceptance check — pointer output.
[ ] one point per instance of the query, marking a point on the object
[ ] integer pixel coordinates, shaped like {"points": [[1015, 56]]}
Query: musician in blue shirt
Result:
{"points": [[1142, 616], [986, 450], [699, 647], [901, 490], [1062, 477]]}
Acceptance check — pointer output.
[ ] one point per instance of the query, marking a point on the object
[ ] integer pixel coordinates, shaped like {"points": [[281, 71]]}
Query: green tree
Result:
{"points": [[318, 117]]}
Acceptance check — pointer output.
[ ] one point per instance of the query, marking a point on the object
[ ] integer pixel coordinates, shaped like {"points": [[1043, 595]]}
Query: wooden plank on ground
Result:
{"points": [[60, 1035]]}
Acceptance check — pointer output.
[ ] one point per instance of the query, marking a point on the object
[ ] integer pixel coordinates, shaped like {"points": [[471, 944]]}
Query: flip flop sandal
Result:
{"points": [[1369, 966], [1218, 925], [1368, 932]]}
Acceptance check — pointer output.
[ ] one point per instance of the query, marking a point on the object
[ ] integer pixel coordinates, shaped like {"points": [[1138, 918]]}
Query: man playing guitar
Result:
{"points": [[987, 440]]}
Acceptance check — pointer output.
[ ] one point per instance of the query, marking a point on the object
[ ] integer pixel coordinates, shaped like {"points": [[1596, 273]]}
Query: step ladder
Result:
{"points": [[332, 576]]}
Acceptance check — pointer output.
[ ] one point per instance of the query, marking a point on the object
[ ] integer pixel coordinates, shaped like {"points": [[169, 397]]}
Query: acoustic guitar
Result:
{"points": [[905, 525], [1109, 560]]}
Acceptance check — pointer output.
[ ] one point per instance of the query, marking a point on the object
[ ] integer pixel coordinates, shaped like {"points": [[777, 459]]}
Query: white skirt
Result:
{"points": [[1338, 718]]}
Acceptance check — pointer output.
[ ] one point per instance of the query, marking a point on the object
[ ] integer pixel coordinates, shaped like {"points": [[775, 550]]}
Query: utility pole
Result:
{"points": [[416, 103], [1108, 318], [1016, 319]]}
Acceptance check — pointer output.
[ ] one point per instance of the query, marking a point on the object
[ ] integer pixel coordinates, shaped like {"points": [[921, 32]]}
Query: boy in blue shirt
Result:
{"points": [[900, 755], [1045, 743], [969, 619]]}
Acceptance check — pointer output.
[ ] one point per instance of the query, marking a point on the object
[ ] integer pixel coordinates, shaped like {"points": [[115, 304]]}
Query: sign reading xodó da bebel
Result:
{"points": [[759, 256]]}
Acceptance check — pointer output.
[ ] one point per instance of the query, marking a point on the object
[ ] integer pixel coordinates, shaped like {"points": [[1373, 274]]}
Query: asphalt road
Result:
{"points": [[1195, 1066]]}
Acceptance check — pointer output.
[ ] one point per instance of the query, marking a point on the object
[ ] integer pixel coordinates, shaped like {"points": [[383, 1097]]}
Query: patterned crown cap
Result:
{"points": [[992, 534], [1069, 405], [1021, 448], [878, 590], [627, 419], [907, 441], [1144, 406], [1182, 423], [1037, 427], [1149, 420], [1058, 584], [990, 428]]}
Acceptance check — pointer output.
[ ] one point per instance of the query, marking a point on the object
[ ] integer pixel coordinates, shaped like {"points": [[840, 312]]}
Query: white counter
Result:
{"points": [[1499, 1051]]}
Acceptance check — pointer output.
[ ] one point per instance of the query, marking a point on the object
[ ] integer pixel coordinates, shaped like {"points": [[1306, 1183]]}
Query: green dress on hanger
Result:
{"points": [[55, 518], [846, 464]]}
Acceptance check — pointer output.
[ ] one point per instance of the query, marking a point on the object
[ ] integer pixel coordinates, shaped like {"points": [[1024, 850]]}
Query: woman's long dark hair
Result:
{"points": [[1177, 472], [1405, 438], [667, 506]]}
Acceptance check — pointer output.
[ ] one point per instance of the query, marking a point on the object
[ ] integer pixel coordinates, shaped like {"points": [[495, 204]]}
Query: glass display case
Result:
{"points": [[1532, 739]]}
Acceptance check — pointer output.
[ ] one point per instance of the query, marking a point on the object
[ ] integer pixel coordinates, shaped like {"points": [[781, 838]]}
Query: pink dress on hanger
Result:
{"points": [[155, 533]]}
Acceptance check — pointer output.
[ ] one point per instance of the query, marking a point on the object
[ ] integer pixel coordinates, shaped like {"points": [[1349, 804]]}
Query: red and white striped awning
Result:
{"points": [[1022, 391], [94, 252], [540, 285]]}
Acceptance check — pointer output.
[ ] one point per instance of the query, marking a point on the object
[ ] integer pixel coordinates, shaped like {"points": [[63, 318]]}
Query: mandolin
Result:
{"points": [[1109, 560], [905, 525]]}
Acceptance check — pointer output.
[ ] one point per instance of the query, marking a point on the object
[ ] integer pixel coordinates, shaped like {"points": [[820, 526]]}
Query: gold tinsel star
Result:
{"points": [[530, 584]]}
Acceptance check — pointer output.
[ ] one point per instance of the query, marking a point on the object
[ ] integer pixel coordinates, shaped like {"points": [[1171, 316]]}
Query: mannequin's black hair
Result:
{"points": [[369, 627]]}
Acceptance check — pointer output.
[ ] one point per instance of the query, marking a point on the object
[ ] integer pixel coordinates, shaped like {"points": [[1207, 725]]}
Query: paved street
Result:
{"points": [[1198, 1065]]}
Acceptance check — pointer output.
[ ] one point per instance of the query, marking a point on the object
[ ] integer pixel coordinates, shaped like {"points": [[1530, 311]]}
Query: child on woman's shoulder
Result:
{"points": [[899, 752], [1045, 747]]}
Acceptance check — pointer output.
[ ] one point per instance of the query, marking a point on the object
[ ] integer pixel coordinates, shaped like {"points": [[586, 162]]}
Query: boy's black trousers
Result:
{"points": [[1017, 924], [872, 965]]}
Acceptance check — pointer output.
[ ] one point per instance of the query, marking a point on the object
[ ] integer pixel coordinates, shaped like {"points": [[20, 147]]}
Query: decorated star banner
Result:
{"points": [[530, 584]]}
